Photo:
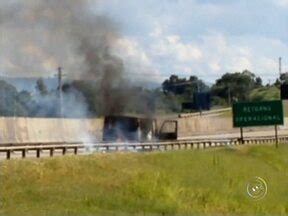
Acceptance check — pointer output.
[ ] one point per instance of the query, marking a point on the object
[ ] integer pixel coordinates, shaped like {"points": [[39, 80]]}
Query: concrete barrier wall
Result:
{"points": [[19, 130], [189, 126], [200, 125]]}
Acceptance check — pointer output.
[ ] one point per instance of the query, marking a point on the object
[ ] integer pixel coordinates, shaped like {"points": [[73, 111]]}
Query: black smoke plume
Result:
{"points": [[37, 36]]}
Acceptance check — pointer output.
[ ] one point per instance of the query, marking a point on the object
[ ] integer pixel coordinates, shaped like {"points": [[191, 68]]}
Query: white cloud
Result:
{"points": [[176, 36], [212, 54], [224, 55], [282, 3], [130, 49], [173, 37], [214, 66], [172, 45], [138, 65]]}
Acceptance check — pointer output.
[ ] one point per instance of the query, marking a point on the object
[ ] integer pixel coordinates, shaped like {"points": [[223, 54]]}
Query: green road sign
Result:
{"points": [[258, 114]]}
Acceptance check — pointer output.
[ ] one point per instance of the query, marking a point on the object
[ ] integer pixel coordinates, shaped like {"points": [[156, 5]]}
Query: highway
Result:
{"points": [[44, 150]]}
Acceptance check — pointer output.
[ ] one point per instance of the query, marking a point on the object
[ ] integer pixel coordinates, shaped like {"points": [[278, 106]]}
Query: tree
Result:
{"points": [[183, 87], [258, 82], [236, 86], [174, 84], [284, 78], [41, 87], [10, 103]]}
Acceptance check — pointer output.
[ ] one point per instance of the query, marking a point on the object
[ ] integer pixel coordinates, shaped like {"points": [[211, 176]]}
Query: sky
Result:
{"points": [[206, 38], [157, 38]]}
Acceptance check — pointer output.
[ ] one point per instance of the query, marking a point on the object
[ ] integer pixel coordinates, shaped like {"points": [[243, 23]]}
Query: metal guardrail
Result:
{"points": [[76, 147]]}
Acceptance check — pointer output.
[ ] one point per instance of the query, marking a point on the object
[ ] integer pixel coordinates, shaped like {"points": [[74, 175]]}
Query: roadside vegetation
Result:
{"points": [[195, 182]]}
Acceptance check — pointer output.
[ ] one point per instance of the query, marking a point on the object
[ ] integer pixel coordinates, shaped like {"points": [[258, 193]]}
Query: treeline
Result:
{"points": [[38, 103], [78, 99], [83, 98], [230, 88]]}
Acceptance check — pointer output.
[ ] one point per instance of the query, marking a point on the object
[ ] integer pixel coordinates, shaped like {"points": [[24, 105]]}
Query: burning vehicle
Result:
{"points": [[128, 128], [137, 128]]}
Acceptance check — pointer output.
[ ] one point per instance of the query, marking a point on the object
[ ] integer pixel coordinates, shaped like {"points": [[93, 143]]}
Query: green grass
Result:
{"points": [[226, 114], [285, 108], [265, 93], [182, 182]]}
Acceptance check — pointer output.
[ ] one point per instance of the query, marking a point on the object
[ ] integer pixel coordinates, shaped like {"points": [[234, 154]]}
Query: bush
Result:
{"points": [[265, 93]]}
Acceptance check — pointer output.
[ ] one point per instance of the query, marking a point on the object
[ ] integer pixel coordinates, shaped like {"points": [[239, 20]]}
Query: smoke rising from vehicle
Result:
{"points": [[38, 36]]}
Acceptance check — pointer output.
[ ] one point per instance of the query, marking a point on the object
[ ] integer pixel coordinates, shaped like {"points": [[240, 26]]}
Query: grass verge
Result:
{"points": [[205, 182]]}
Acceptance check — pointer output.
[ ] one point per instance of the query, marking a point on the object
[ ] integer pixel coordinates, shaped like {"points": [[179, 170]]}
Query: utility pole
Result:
{"points": [[280, 66], [229, 96], [199, 91], [60, 91]]}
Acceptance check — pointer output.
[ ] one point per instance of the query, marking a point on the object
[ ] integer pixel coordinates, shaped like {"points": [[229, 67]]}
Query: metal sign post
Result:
{"points": [[241, 135], [276, 136]]}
